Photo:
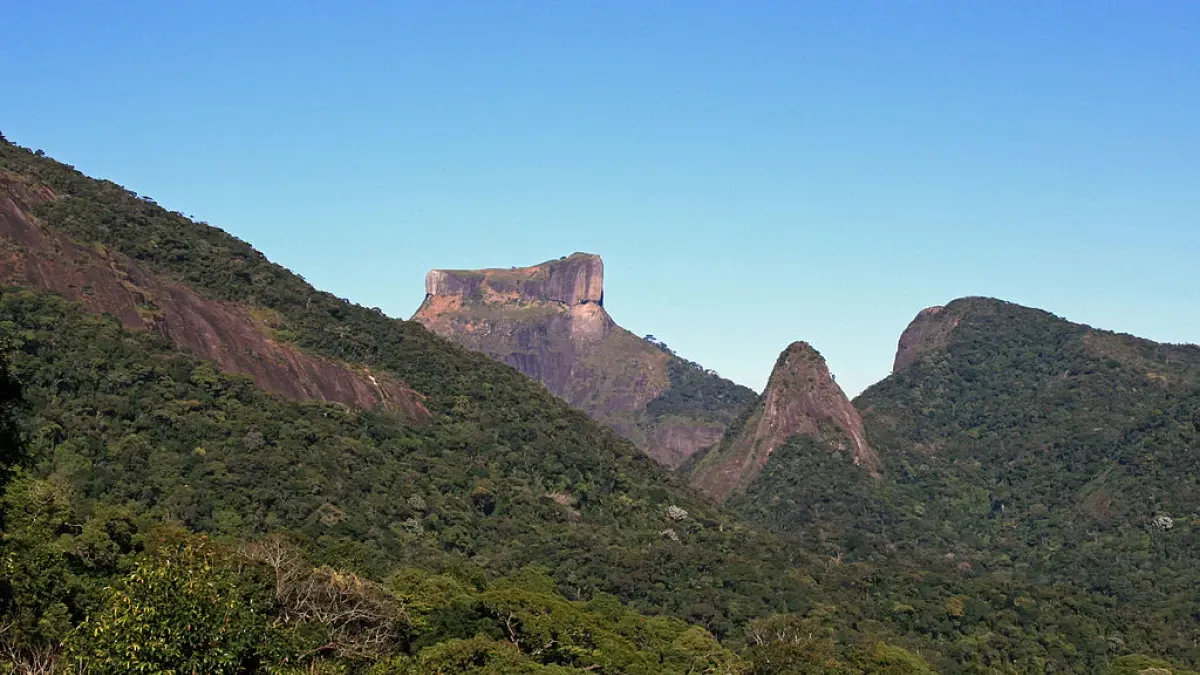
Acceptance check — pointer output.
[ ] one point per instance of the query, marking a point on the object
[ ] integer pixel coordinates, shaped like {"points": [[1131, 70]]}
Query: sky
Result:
{"points": [[752, 173]]}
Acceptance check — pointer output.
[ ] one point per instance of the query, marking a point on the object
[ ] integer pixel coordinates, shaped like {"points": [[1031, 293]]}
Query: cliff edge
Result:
{"points": [[549, 322]]}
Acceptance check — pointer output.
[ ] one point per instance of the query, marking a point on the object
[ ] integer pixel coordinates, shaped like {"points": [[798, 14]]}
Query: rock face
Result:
{"points": [[928, 332], [801, 398], [236, 338], [574, 280], [549, 322]]}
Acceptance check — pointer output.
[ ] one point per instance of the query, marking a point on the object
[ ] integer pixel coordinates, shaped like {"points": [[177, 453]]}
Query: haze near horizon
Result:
{"points": [[751, 173]]}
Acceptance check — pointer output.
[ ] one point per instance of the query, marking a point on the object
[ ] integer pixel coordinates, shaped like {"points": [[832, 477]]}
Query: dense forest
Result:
{"points": [[159, 515], [1029, 450], [120, 425], [695, 390], [133, 449]]}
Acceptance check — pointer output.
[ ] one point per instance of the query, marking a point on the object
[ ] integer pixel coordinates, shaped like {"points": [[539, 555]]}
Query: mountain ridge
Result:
{"points": [[939, 555], [500, 475]]}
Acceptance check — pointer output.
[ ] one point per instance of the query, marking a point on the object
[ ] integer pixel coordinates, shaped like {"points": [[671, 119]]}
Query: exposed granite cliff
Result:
{"points": [[549, 322], [930, 331], [801, 398], [573, 280], [236, 338]]}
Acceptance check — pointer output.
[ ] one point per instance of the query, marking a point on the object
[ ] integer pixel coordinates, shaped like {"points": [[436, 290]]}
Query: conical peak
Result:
{"points": [[801, 399], [798, 353], [801, 395]]}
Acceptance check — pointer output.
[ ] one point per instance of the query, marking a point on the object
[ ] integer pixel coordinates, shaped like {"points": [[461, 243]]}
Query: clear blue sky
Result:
{"points": [[753, 173]]}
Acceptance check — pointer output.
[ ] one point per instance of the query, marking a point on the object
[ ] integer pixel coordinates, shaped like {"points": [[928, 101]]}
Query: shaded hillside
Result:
{"points": [[549, 322], [801, 399], [10, 397], [238, 338]]}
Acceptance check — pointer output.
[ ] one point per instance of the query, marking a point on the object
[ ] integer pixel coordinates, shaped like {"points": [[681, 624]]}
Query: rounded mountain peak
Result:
{"points": [[931, 329]]}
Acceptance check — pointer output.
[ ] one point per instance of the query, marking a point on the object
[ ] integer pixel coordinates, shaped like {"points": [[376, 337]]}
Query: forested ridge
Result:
{"points": [[159, 514], [120, 425], [1026, 450]]}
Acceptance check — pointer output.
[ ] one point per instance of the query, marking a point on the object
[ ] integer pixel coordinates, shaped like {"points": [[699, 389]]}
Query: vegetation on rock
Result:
{"points": [[158, 514], [1024, 453]]}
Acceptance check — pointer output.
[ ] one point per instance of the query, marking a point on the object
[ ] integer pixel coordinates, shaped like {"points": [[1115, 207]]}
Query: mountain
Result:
{"points": [[549, 322], [278, 476], [801, 399], [1027, 424], [1018, 445], [239, 338], [416, 449], [240, 501]]}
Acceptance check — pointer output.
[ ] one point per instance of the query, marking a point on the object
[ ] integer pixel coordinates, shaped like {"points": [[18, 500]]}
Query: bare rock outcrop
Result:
{"points": [[549, 322], [801, 399], [236, 338], [928, 332], [572, 280]]}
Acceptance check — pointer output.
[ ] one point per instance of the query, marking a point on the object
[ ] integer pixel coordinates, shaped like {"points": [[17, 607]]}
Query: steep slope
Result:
{"points": [[1062, 453], [1019, 446], [801, 399], [927, 333], [235, 337], [1016, 441], [1027, 423], [549, 322], [123, 430], [498, 474]]}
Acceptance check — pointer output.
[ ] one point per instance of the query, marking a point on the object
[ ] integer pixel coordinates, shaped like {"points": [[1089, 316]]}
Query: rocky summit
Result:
{"points": [[801, 399], [549, 322]]}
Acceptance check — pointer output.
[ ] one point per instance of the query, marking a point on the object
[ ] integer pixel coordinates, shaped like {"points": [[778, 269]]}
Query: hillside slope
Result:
{"points": [[1054, 445], [475, 427], [1018, 446], [127, 425], [239, 339], [549, 322]]}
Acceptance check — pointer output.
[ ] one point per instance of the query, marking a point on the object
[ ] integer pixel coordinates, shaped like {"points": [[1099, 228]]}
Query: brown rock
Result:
{"points": [[674, 443], [928, 332], [572, 280], [801, 399], [549, 322], [235, 337]]}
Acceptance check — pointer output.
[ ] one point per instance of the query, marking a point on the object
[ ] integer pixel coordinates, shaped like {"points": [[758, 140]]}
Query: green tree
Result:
{"points": [[885, 659], [183, 609], [479, 655], [1140, 664], [10, 396], [790, 643]]}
